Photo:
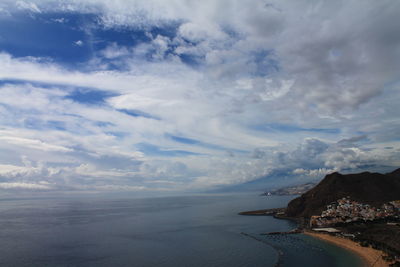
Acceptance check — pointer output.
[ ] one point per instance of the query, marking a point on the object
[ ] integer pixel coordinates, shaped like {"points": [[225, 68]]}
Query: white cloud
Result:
{"points": [[27, 6], [114, 51], [316, 173], [28, 186], [79, 43], [32, 143], [61, 20]]}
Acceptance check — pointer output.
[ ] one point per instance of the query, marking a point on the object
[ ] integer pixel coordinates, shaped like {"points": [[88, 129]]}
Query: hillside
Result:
{"points": [[370, 188]]}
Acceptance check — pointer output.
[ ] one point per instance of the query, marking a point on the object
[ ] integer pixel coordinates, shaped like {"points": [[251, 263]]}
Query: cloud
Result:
{"points": [[315, 173], [113, 51], [191, 95], [30, 6], [60, 20], [26, 186], [331, 62], [78, 43], [32, 143], [352, 140]]}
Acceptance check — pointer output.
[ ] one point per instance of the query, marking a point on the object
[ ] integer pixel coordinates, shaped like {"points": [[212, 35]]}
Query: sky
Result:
{"points": [[189, 96]]}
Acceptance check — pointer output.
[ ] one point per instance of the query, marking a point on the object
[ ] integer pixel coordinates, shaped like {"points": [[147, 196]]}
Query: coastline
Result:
{"points": [[370, 256]]}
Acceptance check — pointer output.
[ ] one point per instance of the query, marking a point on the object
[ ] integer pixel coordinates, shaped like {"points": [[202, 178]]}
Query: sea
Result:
{"points": [[200, 230]]}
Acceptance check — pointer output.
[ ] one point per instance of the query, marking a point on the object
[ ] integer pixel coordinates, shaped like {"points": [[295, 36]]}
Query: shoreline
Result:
{"points": [[370, 256]]}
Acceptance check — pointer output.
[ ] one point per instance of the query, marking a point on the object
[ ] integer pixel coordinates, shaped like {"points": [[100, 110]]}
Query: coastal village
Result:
{"points": [[346, 210], [338, 218]]}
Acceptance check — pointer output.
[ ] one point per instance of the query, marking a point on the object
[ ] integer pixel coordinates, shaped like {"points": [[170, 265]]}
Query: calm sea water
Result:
{"points": [[170, 231]]}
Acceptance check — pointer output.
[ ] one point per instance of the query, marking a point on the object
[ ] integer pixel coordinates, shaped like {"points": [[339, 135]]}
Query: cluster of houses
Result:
{"points": [[345, 210]]}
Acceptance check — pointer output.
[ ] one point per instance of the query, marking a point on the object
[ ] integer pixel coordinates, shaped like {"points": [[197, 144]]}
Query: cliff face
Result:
{"points": [[370, 188]]}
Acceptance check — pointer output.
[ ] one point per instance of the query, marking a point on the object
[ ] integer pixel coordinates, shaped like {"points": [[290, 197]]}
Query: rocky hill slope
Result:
{"points": [[370, 188]]}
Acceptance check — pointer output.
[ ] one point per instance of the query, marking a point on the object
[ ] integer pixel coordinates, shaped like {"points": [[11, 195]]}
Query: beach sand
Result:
{"points": [[370, 256]]}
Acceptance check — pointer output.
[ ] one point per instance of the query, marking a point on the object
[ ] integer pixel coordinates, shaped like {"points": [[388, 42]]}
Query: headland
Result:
{"points": [[359, 212]]}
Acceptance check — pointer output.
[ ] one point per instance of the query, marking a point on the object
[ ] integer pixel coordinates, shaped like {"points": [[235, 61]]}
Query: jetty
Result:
{"points": [[266, 212], [294, 231]]}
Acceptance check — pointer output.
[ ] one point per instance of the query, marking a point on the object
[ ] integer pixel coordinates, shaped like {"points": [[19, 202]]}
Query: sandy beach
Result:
{"points": [[371, 257]]}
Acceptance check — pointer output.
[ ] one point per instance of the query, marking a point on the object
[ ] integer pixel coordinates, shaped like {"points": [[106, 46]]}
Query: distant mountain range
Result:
{"points": [[290, 190], [366, 187]]}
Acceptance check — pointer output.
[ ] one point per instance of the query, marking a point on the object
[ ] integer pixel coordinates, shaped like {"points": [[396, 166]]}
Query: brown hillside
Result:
{"points": [[371, 188]]}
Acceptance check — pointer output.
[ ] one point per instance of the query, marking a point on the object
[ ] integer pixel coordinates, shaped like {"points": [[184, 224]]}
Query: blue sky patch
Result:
{"points": [[70, 39], [122, 37], [265, 63], [153, 150], [40, 36], [125, 36], [191, 60], [104, 123], [189, 141], [183, 140], [90, 96], [138, 113]]}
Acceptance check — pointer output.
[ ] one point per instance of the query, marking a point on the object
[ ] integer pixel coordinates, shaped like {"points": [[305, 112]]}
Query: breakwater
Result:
{"points": [[279, 261], [266, 212]]}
